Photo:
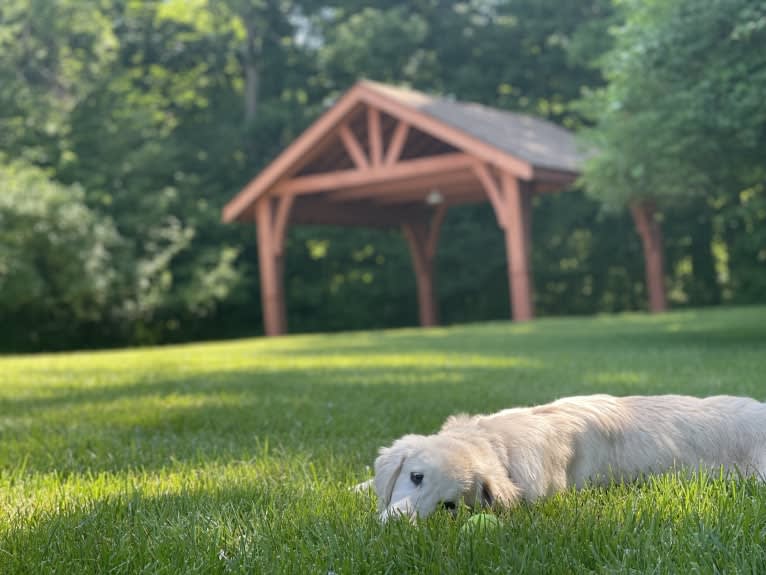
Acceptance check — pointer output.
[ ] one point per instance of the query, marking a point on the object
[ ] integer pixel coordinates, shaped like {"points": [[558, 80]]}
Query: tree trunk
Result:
{"points": [[651, 238]]}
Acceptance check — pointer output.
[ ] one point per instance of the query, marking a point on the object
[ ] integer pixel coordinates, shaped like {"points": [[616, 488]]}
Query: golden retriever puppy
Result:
{"points": [[526, 453]]}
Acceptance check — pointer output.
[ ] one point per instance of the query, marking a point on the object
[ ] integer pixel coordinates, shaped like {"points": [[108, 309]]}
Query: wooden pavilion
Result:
{"points": [[388, 157]]}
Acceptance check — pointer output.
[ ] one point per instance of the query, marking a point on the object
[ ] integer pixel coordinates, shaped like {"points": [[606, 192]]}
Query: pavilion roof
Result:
{"points": [[529, 148], [539, 142]]}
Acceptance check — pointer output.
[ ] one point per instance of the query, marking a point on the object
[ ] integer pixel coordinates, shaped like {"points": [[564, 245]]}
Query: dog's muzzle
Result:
{"points": [[404, 508]]}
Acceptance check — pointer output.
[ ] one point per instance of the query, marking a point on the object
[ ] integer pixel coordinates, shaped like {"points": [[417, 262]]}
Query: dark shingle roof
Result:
{"points": [[534, 140]]}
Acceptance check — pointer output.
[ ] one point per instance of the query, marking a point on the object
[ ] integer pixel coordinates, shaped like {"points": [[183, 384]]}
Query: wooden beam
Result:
{"points": [[353, 147], [396, 145], [373, 175], [374, 136], [317, 211], [410, 185], [489, 183], [517, 250]]}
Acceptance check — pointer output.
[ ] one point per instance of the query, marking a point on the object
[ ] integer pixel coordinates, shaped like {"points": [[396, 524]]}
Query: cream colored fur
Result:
{"points": [[527, 453]]}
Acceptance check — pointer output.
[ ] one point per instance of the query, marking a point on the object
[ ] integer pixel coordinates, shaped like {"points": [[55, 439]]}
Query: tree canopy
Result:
{"points": [[682, 113], [682, 120]]}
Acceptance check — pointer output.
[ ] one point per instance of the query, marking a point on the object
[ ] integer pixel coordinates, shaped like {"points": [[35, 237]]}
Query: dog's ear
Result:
{"points": [[492, 489], [388, 466], [487, 497]]}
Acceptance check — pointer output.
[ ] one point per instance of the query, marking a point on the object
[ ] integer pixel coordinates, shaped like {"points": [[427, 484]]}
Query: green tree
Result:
{"points": [[58, 259], [682, 121], [151, 115], [52, 54]]}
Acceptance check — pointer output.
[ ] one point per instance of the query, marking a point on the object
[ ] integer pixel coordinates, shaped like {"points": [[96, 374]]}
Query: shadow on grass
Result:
{"points": [[344, 412], [344, 396]]}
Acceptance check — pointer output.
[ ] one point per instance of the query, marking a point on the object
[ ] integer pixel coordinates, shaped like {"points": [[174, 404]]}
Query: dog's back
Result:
{"points": [[601, 438]]}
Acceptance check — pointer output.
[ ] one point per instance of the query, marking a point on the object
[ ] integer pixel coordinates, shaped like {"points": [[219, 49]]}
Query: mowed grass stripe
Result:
{"points": [[236, 457]]}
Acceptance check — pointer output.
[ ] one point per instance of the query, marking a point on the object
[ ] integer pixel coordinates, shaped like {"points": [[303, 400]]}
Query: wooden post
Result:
{"points": [[422, 238], [271, 229], [527, 192], [513, 210], [651, 237], [518, 223]]}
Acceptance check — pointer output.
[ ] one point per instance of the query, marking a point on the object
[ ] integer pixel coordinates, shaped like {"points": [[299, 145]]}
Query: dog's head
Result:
{"points": [[418, 474]]}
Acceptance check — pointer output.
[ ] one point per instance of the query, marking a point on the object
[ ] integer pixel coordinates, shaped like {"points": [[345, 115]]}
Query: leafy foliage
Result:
{"points": [[682, 120], [56, 254], [682, 113]]}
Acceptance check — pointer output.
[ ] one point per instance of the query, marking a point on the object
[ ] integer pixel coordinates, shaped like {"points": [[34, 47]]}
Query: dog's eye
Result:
{"points": [[449, 505], [416, 478]]}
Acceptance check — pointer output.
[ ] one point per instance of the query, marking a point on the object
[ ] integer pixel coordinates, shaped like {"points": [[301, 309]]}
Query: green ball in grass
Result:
{"points": [[480, 523]]}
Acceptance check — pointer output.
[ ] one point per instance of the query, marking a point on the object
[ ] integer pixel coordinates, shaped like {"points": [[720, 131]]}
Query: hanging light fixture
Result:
{"points": [[434, 197]]}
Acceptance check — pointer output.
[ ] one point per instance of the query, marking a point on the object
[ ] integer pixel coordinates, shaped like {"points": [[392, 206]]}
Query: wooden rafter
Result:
{"points": [[398, 140], [374, 136], [353, 147]]}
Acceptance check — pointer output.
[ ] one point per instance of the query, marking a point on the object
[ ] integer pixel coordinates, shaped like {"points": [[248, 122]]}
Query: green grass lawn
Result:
{"points": [[237, 457]]}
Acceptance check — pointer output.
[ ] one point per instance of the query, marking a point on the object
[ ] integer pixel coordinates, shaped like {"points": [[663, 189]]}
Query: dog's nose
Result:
{"points": [[400, 509]]}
